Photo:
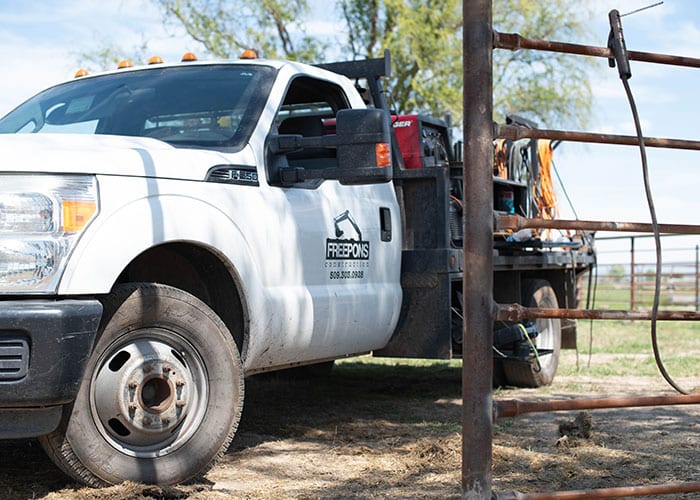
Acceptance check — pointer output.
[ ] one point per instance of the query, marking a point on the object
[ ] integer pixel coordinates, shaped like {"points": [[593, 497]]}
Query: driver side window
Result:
{"points": [[309, 109]]}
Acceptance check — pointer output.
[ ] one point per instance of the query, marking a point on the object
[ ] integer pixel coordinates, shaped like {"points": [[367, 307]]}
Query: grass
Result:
{"points": [[608, 297], [615, 348], [623, 348], [611, 298]]}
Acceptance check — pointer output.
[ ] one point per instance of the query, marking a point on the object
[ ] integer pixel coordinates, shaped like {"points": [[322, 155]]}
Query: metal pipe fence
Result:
{"points": [[631, 282], [625, 284], [479, 40]]}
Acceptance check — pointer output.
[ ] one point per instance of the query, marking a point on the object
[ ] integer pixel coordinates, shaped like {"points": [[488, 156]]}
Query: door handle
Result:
{"points": [[385, 223]]}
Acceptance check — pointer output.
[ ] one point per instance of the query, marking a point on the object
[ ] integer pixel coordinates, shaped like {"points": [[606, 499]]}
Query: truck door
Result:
{"points": [[347, 237]]}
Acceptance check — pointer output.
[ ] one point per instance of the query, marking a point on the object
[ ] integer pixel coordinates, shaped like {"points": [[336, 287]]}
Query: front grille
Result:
{"points": [[14, 357]]}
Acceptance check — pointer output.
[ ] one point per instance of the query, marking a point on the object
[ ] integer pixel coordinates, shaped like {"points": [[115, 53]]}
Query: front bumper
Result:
{"points": [[44, 347]]}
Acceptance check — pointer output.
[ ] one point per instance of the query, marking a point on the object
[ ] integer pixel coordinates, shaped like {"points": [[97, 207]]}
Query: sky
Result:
{"points": [[605, 182], [42, 42]]}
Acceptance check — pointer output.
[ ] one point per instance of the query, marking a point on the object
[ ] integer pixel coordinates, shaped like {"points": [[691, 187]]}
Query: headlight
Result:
{"points": [[25, 213], [41, 220]]}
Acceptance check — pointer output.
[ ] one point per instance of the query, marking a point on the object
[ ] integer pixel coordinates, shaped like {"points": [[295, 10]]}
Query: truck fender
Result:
{"points": [[114, 239]]}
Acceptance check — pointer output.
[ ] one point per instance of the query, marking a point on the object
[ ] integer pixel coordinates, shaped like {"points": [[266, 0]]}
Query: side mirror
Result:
{"points": [[363, 152], [364, 144]]}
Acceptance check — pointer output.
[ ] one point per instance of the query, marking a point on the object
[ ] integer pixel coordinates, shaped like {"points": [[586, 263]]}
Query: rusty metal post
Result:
{"points": [[515, 133], [514, 41], [515, 407], [632, 275], [697, 278], [516, 312], [622, 492], [477, 364], [518, 222]]}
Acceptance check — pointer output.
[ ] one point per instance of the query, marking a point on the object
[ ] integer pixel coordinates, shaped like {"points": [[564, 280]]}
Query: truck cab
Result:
{"points": [[172, 229]]}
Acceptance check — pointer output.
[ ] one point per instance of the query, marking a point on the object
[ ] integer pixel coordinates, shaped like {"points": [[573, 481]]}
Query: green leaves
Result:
{"points": [[549, 88], [226, 28], [425, 40]]}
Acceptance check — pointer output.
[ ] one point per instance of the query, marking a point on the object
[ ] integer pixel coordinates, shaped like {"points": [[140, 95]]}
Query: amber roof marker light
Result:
{"points": [[249, 54]]}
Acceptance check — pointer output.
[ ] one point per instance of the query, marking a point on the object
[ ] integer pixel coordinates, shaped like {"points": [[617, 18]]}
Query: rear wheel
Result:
{"points": [[540, 369], [161, 396]]}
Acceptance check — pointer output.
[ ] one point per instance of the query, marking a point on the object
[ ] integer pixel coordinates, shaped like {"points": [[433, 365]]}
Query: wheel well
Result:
{"points": [[198, 271]]}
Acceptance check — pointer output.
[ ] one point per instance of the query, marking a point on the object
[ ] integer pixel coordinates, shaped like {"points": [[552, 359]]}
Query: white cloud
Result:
{"points": [[32, 69], [625, 127], [42, 43]]}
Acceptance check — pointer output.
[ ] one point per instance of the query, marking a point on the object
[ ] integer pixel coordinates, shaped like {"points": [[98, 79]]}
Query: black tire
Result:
{"points": [[538, 293], [161, 396]]}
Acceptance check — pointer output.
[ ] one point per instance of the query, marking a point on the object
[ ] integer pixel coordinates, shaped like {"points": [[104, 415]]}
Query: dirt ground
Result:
{"points": [[394, 432]]}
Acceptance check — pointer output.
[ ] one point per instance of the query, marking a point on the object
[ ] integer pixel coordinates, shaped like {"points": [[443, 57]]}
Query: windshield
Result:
{"points": [[206, 106]]}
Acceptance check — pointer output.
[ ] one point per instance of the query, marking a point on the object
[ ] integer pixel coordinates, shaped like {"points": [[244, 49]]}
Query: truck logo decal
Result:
{"points": [[347, 254], [346, 248]]}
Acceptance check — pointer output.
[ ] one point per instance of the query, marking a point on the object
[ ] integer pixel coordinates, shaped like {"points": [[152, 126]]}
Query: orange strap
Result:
{"points": [[500, 166], [544, 194]]}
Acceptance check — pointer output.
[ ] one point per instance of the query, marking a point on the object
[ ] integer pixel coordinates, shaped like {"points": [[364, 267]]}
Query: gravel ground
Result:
{"points": [[394, 432]]}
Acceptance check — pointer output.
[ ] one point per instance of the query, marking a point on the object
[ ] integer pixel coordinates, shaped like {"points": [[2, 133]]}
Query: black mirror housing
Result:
{"points": [[363, 152], [364, 139]]}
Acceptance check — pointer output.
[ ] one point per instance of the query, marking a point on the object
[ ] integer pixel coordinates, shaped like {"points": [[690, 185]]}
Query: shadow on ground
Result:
{"points": [[375, 430]]}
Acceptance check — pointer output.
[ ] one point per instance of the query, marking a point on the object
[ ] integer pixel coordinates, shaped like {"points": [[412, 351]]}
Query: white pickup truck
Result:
{"points": [[167, 230]]}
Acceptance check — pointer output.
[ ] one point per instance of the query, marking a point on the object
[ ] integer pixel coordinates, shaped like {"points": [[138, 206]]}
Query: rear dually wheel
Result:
{"points": [[541, 365]]}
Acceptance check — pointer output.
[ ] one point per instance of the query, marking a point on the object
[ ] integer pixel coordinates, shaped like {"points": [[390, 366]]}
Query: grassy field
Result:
{"points": [[610, 296], [605, 348], [624, 348]]}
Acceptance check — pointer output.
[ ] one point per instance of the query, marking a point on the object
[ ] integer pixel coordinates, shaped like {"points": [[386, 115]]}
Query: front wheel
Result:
{"points": [[161, 396]]}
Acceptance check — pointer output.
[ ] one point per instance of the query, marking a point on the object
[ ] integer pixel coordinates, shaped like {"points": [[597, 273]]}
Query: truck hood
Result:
{"points": [[110, 155]]}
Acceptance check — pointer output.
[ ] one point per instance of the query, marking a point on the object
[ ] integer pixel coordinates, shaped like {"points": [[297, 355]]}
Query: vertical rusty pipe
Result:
{"points": [[697, 277], [633, 291], [478, 247]]}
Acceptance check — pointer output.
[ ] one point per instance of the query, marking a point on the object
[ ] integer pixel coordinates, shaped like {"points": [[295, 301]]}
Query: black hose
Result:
{"points": [[590, 304], [657, 241]]}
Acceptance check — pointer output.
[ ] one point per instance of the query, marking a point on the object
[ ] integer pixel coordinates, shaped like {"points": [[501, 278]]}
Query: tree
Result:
{"points": [[550, 88], [425, 40], [226, 28], [424, 37], [108, 57], [617, 273]]}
